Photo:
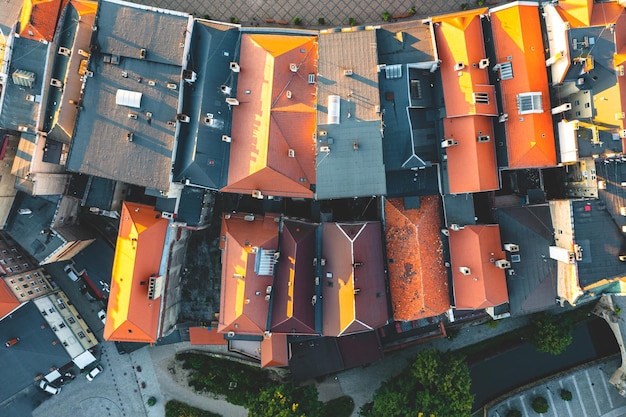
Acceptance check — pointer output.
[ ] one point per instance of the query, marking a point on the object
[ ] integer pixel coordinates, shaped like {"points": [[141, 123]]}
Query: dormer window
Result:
{"points": [[529, 103]]}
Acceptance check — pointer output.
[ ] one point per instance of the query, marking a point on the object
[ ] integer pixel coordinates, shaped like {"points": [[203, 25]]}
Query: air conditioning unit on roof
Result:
{"points": [[449, 142], [257, 194], [226, 138], [511, 247], [503, 264], [172, 86]]}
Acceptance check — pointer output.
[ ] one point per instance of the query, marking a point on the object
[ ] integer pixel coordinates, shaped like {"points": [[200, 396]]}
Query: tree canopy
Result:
{"points": [[435, 383], [551, 334], [286, 401]]}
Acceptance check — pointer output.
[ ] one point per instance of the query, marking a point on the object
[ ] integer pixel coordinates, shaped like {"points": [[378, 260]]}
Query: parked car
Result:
{"points": [[44, 385], [102, 316], [93, 373], [12, 342], [71, 272]]}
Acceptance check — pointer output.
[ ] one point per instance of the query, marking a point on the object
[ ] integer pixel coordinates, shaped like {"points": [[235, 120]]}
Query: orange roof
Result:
{"points": [[275, 117], [131, 316], [243, 304], [576, 12], [85, 7], [8, 300], [460, 41], [274, 351], [477, 248], [471, 164], [205, 336], [40, 18], [518, 40], [353, 288], [606, 13], [417, 275]]}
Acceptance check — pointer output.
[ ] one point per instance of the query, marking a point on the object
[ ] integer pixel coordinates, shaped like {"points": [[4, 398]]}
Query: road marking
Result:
{"points": [[593, 392], [603, 377], [521, 398], [551, 401], [569, 409], [580, 400]]}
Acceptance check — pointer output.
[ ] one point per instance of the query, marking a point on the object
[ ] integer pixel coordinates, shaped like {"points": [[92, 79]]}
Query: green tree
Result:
{"points": [[551, 334], [540, 405], [286, 401], [435, 383]]}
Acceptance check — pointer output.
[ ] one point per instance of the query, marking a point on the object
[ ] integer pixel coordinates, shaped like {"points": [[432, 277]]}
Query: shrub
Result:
{"points": [[492, 324], [412, 10], [339, 407], [513, 413], [480, 2], [540, 405], [464, 6], [321, 21], [206, 17], [151, 401], [175, 408], [566, 395], [234, 20], [352, 21], [385, 16], [297, 21]]}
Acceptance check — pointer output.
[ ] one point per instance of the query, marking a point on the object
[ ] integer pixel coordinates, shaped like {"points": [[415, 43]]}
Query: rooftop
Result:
{"points": [[38, 19], [8, 300], [348, 117], [353, 289], [202, 156], [248, 245], [274, 351], [478, 282], [532, 287], [132, 316], [523, 84], [272, 149], [294, 285], [418, 279], [21, 94], [132, 99]]}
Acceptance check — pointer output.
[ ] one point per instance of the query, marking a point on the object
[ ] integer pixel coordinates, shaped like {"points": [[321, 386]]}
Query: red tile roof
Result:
{"points": [[243, 304], [471, 164], [477, 248], [576, 12], [417, 276], [276, 114], [353, 279], [8, 300], [274, 351], [131, 316], [40, 17], [459, 40], [205, 336], [518, 40], [294, 284]]}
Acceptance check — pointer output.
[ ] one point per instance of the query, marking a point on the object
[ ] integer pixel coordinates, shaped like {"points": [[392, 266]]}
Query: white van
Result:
{"points": [[71, 272], [93, 373], [44, 385]]}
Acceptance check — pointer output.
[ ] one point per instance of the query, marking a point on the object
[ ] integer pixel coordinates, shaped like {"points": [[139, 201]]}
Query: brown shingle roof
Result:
{"points": [[353, 281], [276, 114], [294, 285], [477, 248], [417, 276], [243, 304]]}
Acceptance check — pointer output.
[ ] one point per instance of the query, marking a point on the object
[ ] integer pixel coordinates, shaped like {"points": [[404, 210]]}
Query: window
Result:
{"points": [[62, 325], [529, 103], [25, 286], [12, 281], [416, 89], [36, 274], [40, 281], [20, 279], [481, 98], [506, 71], [3, 262], [81, 335], [45, 287], [17, 267], [5, 252], [37, 290], [27, 276], [30, 293], [71, 320], [14, 250]]}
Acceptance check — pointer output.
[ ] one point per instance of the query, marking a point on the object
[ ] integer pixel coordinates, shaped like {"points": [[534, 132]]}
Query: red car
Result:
{"points": [[12, 342]]}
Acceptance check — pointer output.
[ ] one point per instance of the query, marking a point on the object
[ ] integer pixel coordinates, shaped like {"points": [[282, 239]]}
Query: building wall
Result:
{"points": [[30, 284]]}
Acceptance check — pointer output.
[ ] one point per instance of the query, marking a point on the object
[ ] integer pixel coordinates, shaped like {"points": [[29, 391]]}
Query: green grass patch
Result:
{"points": [[339, 407], [175, 408]]}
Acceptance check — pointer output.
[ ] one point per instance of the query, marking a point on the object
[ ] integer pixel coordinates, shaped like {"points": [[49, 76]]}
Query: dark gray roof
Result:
{"points": [[613, 172], [313, 357], [16, 110], [347, 68], [190, 206], [26, 229], [202, 156], [459, 209], [601, 241], [533, 286], [102, 145]]}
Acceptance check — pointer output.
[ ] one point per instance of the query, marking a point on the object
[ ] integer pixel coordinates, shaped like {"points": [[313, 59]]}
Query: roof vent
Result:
{"points": [[311, 78], [293, 67], [142, 53], [64, 51], [292, 153], [288, 93], [226, 138], [325, 149], [132, 116], [21, 128], [465, 270], [347, 72], [151, 83], [503, 264], [234, 67], [483, 138], [231, 334], [511, 247], [171, 86], [449, 142], [225, 89], [190, 76], [503, 118], [232, 101], [56, 83], [267, 297], [257, 194], [130, 136], [459, 66], [182, 118], [483, 63], [80, 52], [171, 123]]}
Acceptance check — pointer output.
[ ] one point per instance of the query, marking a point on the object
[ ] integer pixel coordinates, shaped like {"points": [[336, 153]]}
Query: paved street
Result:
{"points": [[334, 12]]}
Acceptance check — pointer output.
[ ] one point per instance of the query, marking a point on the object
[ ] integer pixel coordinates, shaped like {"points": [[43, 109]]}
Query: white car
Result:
{"points": [[102, 316], [44, 385], [93, 373], [24, 211]]}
